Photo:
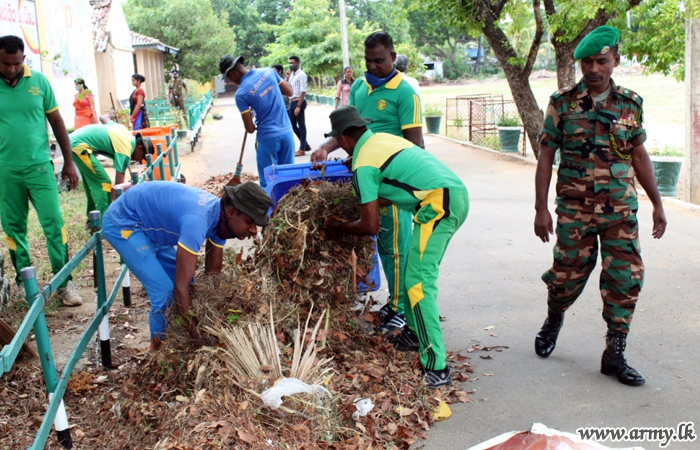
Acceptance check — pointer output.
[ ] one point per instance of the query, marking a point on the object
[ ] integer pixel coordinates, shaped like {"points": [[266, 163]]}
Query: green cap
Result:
{"points": [[250, 199], [342, 118], [597, 41]]}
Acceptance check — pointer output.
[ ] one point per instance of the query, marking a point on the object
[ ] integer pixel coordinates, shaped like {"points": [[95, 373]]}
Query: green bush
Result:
{"points": [[432, 110], [509, 120]]}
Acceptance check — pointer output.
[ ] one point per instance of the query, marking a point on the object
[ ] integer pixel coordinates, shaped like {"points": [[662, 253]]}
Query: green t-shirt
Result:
{"points": [[111, 140], [393, 106], [24, 139], [393, 168]]}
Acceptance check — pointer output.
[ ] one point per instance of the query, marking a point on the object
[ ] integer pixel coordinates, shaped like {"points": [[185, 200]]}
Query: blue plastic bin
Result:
{"points": [[280, 179]]}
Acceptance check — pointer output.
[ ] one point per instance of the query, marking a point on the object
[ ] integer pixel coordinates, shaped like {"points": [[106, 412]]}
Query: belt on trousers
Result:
{"points": [[294, 99]]}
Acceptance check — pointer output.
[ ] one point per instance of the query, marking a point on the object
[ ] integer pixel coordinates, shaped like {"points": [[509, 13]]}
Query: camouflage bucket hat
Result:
{"points": [[250, 199], [228, 62]]}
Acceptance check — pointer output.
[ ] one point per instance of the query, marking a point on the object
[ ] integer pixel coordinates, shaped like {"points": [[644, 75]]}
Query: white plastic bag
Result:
{"points": [[289, 386], [364, 406]]}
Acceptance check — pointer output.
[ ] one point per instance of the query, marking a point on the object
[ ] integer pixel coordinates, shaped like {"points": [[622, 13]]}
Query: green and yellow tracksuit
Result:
{"points": [[393, 107], [392, 168], [26, 170], [113, 141]]}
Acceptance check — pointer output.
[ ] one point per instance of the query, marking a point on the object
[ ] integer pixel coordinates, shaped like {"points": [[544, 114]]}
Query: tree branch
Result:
{"points": [[536, 40]]}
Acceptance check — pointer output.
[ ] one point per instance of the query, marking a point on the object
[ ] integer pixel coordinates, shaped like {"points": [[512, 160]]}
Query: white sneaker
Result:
{"points": [[69, 295]]}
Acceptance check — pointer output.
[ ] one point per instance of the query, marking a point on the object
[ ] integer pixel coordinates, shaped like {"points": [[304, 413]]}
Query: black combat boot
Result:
{"points": [[546, 339], [614, 362]]}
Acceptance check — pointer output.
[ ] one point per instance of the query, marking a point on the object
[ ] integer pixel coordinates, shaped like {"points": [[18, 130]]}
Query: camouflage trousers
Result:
{"points": [[575, 255]]}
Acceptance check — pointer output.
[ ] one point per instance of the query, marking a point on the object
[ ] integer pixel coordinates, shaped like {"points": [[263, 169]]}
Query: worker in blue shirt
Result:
{"points": [[260, 92], [158, 229]]}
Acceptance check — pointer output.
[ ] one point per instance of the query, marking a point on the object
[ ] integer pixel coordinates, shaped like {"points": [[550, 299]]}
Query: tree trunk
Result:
{"points": [[518, 77], [525, 101], [566, 65]]}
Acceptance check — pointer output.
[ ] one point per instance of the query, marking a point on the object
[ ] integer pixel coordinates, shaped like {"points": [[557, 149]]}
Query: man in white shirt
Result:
{"points": [[402, 66], [297, 104]]}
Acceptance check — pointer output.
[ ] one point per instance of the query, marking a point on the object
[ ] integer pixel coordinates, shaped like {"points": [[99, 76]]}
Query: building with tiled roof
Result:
{"points": [[119, 53]]}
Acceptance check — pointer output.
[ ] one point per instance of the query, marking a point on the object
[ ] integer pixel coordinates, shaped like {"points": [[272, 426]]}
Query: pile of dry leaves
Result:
{"points": [[286, 311], [311, 264]]}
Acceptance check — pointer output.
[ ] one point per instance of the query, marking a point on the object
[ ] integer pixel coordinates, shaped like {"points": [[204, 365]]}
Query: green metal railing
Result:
{"points": [[196, 114], [36, 298]]}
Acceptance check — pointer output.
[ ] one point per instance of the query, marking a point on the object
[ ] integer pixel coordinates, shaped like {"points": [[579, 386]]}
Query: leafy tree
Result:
{"points": [[476, 16], [190, 25], [434, 38], [385, 15], [657, 35], [312, 32], [248, 19], [568, 23]]}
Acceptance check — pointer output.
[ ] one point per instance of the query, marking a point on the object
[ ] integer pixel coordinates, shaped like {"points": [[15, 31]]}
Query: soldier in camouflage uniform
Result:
{"points": [[175, 93], [597, 126]]}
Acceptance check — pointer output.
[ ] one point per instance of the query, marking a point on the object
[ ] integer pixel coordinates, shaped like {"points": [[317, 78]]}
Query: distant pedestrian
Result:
{"points": [[175, 94], [342, 91], [402, 66], [260, 93], [280, 71], [597, 127], [297, 105], [84, 105], [137, 104]]}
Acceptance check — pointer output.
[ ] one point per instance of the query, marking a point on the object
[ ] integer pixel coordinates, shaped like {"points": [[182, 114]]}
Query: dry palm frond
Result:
{"points": [[305, 366], [248, 354]]}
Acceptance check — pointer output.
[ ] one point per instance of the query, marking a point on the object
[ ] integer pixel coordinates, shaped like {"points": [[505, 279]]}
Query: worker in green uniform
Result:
{"points": [[598, 128], [26, 169], [177, 99], [114, 141], [389, 170], [394, 107]]}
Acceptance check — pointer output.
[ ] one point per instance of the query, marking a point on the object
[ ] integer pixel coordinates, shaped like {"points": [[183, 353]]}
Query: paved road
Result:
{"points": [[491, 277]]}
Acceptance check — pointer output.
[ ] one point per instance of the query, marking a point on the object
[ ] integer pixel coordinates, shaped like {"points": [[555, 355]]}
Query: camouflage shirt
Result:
{"points": [[595, 173]]}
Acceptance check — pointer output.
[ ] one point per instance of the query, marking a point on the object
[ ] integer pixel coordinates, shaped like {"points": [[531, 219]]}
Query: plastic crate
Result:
{"points": [[280, 179]]}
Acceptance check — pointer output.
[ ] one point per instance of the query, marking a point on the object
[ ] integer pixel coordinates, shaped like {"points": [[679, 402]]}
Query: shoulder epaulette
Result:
{"points": [[630, 94], [563, 90]]}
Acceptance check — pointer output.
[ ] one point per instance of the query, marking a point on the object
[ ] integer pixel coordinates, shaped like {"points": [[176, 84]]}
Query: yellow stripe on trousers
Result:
{"points": [[436, 201], [83, 152], [397, 260]]}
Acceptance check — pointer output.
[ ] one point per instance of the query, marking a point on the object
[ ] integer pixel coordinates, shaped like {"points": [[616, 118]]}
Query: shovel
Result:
{"points": [[239, 168]]}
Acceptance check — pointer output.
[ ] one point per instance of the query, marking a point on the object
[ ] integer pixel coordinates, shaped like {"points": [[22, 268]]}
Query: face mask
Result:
{"points": [[376, 81], [293, 67]]}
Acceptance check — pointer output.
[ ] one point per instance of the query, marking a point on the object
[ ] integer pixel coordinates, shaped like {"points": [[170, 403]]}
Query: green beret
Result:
{"points": [[597, 41]]}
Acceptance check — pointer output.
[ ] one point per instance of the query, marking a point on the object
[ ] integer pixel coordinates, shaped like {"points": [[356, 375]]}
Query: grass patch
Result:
{"points": [[664, 97]]}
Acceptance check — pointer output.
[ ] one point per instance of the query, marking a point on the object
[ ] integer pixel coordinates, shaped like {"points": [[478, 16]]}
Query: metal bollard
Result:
{"points": [[101, 292], [48, 367]]}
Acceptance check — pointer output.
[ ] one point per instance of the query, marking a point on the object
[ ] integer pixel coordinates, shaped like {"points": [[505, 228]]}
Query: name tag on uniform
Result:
{"points": [[574, 116]]}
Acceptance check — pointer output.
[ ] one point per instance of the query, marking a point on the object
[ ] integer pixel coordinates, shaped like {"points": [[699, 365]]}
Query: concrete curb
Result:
{"points": [[668, 200], [486, 149]]}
